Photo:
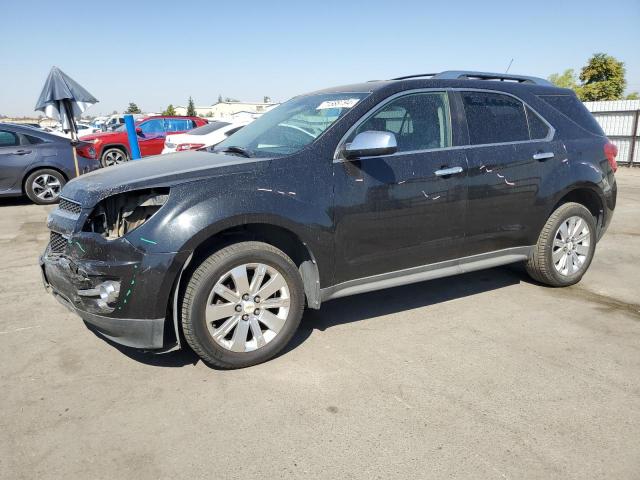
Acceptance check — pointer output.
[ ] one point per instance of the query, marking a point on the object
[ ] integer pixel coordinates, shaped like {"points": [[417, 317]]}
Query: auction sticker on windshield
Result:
{"points": [[342, 103]]}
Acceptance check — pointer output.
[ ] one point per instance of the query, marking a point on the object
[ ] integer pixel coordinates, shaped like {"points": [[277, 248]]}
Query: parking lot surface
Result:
{"points": [[484, 375]]}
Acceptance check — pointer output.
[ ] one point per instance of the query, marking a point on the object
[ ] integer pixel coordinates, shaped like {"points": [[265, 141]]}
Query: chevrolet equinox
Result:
{"points": [[337, 192]]}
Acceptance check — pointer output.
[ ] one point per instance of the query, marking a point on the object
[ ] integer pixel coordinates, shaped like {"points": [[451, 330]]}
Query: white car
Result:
{"points": [[205, 136], [83, 129]]}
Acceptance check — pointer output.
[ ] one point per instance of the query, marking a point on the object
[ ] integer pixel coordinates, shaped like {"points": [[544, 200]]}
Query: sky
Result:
{"points": [[157, 53]]}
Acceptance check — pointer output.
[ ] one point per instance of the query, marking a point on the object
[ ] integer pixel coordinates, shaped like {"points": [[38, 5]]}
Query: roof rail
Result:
{"points": [[471, 75]]}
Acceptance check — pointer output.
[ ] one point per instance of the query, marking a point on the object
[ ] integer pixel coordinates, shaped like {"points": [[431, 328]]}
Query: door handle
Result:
{"points": [[542, 155], [22, 152], [443, 172]]}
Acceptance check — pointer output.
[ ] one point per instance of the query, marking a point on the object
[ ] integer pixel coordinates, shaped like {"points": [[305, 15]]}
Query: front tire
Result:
{"points": [[43, 186], [565, 247], [113, 156], [242, 305]]}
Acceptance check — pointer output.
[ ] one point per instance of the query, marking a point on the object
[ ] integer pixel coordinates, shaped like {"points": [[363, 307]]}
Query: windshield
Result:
{"points": [[291, 126]]}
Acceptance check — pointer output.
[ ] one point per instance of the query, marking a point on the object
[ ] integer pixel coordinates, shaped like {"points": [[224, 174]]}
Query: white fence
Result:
{"points": [[620, 121]]}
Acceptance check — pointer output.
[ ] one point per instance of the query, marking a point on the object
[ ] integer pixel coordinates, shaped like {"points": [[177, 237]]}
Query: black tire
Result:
{"points": [[203, 280], [44, 199], [540, 265], [112, 153]]}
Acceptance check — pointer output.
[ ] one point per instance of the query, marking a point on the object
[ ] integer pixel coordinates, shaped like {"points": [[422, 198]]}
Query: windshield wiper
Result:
{"points": [[235, 149]]}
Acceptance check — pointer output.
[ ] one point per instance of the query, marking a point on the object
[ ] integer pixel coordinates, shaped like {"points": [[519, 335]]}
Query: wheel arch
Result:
{"points": [[274, 234], [587, 195], [119, 146]]}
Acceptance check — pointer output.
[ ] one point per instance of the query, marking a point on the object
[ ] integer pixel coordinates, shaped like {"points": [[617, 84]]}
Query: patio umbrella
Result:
{"points": [[64, 99]]}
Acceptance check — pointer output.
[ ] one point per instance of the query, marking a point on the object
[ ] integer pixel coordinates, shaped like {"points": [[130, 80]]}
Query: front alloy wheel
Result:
{"points": [[242, 305], [113, 156], [247, 307]]}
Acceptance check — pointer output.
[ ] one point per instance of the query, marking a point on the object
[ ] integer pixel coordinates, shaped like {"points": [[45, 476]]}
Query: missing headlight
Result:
{"points": [[119, 214]]}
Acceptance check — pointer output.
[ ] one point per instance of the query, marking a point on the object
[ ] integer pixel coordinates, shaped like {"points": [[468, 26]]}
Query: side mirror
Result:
{"points": [[138, 130], [371, 144]]}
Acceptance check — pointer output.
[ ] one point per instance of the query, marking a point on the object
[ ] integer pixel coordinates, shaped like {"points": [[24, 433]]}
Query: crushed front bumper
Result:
{"points": [[135, 312]]}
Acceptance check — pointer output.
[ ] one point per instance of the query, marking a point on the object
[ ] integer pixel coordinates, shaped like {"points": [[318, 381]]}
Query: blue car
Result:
{"points": [[36, 163]]}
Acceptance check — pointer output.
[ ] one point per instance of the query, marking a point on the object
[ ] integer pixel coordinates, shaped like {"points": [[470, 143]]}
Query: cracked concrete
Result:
{"points": [[484, 375]]}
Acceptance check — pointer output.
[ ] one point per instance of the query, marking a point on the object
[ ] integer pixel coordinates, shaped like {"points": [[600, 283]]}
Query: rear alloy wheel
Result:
{"points": [[242, 305], [113, 156], [43, 186], [565, 247]]}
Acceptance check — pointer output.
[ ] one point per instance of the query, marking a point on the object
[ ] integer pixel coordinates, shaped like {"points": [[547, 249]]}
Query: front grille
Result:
{"points": [[69, 206], [57, 244]]}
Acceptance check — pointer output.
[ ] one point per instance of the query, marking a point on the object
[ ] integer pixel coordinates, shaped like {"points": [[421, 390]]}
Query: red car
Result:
{"points": [[113, 147]]}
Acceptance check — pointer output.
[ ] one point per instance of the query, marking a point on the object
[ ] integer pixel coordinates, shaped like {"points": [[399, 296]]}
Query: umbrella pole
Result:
{"points": [[74, 135], [75, 159]]}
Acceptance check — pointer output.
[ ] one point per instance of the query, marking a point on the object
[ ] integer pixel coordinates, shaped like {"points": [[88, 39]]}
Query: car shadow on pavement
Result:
{"points": [[360, 308], [14, 201], [394, 300]]}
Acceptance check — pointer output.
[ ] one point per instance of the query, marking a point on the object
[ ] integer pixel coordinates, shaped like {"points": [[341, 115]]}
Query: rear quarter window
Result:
{"points": [[571, 107]]}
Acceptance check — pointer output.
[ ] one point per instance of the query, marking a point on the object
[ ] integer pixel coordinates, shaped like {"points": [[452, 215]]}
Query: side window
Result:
{"points": [[178, 124], [494, 118], [33, 140], [537, 128], [420, 121], [152, 127], [8, 139]]}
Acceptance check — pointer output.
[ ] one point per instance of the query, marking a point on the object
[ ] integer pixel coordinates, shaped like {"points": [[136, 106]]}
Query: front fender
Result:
{"points": [[193, 215]]}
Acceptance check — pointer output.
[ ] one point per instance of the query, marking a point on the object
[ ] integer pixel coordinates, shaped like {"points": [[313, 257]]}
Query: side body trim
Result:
{"points": [[427, 272]]}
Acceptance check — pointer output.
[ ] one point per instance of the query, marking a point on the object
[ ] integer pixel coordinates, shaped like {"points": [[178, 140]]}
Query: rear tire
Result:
{"points": [[224, 319], [113, 156], [44, 186], [565, 247]]}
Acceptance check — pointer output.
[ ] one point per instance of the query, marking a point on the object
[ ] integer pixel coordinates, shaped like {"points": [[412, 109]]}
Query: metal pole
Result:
{"points": [[634, 134], [132, 136], [74, 134]]}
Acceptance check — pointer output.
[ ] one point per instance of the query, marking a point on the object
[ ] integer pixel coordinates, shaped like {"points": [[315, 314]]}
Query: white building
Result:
{"points": [[229, 110], [619, 119]]}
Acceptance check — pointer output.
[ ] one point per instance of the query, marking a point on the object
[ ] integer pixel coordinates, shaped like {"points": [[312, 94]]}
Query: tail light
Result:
{"points": [[611, 152], [188, 146]]}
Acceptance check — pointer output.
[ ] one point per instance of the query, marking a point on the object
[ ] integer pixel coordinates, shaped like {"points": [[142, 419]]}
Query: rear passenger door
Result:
{"points": [[511, 150], [15, 156]]}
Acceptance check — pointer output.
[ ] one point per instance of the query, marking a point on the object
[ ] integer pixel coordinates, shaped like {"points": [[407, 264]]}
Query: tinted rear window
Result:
{"points": [[570, 106], [208, 128], [494, 118]]}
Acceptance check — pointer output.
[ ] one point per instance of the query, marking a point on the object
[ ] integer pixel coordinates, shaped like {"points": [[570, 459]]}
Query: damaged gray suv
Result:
{"points": [[337, 192]]}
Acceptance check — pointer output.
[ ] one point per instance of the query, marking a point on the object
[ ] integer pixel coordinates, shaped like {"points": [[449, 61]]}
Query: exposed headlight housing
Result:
{"points": [[120, 214]]}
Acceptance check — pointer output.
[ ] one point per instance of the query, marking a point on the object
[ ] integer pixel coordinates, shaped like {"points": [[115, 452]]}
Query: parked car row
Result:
{"points": [[26, 151], [36, 163]]}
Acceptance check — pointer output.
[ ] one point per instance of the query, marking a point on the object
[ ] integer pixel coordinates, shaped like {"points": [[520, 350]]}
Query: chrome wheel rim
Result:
{"points": [[571, 246], [247, 307], [46, 187], [113, 157]]}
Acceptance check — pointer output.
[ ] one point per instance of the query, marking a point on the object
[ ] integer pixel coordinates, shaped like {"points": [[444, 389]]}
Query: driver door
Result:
{"points": [[399, 211], [151, 138]]}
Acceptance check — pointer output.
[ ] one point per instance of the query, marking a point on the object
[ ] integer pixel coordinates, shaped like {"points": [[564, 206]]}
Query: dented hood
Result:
{"points": [[158, 171]]}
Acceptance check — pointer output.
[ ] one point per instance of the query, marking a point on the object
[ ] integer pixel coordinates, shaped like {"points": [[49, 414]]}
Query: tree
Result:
{"points": [[191, 108], [633, 96], [566, 79], [602, 78], [219, 98], [133, 108], [169, 110]]}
